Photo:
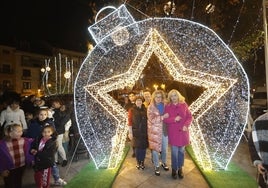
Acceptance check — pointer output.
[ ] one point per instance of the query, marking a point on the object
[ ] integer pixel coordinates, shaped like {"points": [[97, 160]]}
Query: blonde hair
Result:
{"points": [[158, 92], [181, 98], [9, 128]]}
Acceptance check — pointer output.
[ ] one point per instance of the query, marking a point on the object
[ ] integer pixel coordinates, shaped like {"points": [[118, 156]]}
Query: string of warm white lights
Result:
{"points": [[236, 23], [54, 80], [191, 53]]}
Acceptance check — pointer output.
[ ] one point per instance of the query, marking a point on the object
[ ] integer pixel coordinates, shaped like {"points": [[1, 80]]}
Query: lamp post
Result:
{"points": [[163, 86], [45, 70], [264, 6]]}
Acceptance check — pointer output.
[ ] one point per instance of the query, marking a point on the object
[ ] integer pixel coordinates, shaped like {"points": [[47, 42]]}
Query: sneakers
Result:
{"points": [[64, 163], [142, 165], [157, 171], [60, 182], [138, 166], [165, 167]]}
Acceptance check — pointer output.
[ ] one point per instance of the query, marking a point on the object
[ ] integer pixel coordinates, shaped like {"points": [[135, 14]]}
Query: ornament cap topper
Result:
{"points": [[119, 17]]}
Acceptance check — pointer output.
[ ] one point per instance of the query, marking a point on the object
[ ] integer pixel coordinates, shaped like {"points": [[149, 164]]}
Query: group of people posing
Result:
{"points": [[36, 143], [156, 122]]}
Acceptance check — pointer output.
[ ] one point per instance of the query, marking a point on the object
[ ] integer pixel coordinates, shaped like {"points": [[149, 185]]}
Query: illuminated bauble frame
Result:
{"points": [[192, 53]]}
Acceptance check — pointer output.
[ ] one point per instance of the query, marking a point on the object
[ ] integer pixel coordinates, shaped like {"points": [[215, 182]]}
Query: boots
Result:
{"points": [[180, 173], [174, 174]]}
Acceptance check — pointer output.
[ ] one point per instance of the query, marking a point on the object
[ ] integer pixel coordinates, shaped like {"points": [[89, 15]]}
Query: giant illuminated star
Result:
{"points": [[215, 88], [192, 54]]}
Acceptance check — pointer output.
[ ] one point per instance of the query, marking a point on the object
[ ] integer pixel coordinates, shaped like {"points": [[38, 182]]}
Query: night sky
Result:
{"points": [[64, 23], [58, 23]]}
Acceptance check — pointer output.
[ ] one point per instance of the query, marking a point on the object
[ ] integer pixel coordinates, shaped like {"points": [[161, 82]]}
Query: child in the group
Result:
{"points": [[14, 156], [36, 125], [13, 115], [44, 149], [61, 116], [35, 130]]}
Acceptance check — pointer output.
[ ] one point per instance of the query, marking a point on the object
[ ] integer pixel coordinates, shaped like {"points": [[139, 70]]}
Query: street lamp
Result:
{"points": [[264, 6], [46, 69], [155, 86], [163, 86], [67, 75]]}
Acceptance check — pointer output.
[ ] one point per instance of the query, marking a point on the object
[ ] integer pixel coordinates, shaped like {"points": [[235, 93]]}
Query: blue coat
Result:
{"points": [[36, 126]]}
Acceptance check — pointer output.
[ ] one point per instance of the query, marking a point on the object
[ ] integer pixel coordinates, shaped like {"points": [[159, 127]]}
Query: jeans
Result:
{"points": [[177, 157], [140, 154], [163, 153], [55, 172], [164, 149]]}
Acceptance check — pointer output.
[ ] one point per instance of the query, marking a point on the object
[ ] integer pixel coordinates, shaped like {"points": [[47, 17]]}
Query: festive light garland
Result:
{"points": [[54, 80], [192, 53]]}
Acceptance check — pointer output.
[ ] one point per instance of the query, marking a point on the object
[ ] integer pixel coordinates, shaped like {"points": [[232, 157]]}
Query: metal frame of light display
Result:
{"points": [[192, 54]]}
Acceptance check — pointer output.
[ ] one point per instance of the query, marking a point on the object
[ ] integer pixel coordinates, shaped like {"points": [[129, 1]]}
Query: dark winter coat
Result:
{"points": [[138, 121], [36, 126], [46, 157], [60, 119]]}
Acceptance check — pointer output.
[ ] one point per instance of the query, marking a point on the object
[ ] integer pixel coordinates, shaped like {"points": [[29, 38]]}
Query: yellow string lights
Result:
{"points": [[192, 54]]}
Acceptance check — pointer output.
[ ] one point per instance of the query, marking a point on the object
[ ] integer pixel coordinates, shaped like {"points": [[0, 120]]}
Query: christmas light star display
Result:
{"points": [[192, 54]]}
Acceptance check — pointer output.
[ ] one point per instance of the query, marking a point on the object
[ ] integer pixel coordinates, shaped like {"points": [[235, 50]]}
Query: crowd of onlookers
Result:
{"points": [[34, 131]]}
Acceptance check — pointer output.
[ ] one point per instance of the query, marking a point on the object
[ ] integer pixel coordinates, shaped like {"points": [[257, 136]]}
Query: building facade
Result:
{"points": [[20, 71]]}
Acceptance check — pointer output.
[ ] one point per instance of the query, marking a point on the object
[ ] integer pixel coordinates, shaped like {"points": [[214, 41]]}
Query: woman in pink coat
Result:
{"points": [[178, 122], [157, 136]]}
